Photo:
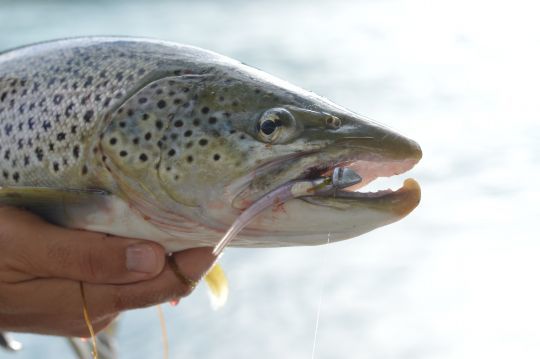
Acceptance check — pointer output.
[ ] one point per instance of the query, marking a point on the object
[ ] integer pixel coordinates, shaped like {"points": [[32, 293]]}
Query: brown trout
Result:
{"points": [[155, 140]]}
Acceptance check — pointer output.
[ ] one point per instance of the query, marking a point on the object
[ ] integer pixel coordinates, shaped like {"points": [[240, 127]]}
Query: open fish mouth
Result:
{"points": [[369, 171]]}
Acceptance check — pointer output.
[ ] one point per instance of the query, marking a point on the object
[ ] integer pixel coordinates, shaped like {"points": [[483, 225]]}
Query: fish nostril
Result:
{"points": [[333, 122]]}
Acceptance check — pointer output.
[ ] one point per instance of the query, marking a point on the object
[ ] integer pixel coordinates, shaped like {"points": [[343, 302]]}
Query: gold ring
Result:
{"points": [[185, 280]]}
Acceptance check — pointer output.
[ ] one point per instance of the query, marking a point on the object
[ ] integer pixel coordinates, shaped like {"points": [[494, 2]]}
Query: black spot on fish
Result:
{"points": [[203, 142], [143, 100], [130, 112], [26, 161], [8, 128], [7, 154], [76, 151], [56, 166], [177, 101], [122, 124], [88, 116], [74, 129], [145, 117], [159, 124], [16, 176], [190, 159], [88, 81], [161, 104], [212, 120], [136, 141], [172, 152], [30, 123], [123, 153], [61, 136], [143, 157], [113, 141], [148, 136], [178, 123], [217, 157], [188, 133], [5, 174], [196, 122], [57, 99], [46, 125], [205, 110], [84, 170], [159, 91]]}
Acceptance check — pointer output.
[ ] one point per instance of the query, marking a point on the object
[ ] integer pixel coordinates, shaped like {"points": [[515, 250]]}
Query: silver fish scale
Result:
{"points": [[54, 97]]}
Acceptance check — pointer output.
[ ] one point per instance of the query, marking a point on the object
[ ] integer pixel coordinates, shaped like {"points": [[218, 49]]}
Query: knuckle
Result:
{"points": [[92, 265]]}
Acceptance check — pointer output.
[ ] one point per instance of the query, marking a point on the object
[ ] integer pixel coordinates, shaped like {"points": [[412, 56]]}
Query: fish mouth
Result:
{"points": [[369, 167], [400, 201]]}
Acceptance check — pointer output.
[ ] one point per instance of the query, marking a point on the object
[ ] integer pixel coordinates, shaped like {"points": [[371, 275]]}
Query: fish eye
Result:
{"points": [[272, 122]]}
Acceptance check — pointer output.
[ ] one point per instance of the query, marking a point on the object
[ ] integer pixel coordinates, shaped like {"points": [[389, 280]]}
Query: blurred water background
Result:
{"points": [[458, 278]]}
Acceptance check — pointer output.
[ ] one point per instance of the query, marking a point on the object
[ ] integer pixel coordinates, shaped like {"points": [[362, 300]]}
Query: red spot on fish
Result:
{"points": [[147, 218], [279, 206], [174, 302]]}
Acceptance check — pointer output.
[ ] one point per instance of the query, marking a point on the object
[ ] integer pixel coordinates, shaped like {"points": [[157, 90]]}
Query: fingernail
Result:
{"points": [[141, 258]]}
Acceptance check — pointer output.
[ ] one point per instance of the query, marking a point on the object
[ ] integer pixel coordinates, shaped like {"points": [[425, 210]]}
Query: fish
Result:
{"points": [[155, 140]]}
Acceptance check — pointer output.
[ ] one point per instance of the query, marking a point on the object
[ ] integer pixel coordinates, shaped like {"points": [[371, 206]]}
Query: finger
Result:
{"points": [[192, 263], [63, 297], [45, 250]]}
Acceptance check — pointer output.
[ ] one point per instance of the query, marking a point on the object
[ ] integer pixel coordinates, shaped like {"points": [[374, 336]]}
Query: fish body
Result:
{"points": [[155, 140]]}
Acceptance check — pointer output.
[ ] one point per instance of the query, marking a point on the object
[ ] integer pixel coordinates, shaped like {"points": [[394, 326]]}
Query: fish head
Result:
{"points": [[207, 145]]}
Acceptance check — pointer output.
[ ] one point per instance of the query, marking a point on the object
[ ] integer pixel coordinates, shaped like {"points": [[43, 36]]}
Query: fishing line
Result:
{"points": [[324, 260], [89, 323], [164, 335]]}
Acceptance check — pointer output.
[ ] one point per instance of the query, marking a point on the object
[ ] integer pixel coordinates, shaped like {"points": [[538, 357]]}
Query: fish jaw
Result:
{"points": [[315, 220]]}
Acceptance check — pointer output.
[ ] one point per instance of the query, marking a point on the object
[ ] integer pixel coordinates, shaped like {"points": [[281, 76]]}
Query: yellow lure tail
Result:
{"points": [[218, 286]]}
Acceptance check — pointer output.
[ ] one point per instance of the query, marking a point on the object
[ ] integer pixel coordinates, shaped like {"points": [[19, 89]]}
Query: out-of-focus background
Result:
{"points": [[459, 277]]}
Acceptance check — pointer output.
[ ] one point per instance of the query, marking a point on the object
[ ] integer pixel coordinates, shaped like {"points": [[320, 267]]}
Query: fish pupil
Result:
{"points": [[268, 127]]}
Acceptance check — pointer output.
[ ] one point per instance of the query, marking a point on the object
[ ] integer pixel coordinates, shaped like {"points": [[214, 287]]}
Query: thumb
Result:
{"points": [[45, 250]]}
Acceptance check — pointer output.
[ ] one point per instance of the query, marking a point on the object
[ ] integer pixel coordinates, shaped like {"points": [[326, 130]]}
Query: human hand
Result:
{"points": [[42, 265]]}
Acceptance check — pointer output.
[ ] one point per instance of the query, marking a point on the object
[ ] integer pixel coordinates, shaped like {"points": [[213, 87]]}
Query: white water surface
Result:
{"points": [[458, 278]]}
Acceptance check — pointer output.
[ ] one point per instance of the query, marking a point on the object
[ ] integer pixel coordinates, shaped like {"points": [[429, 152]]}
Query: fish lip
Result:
{"points": [[401, 202]]}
